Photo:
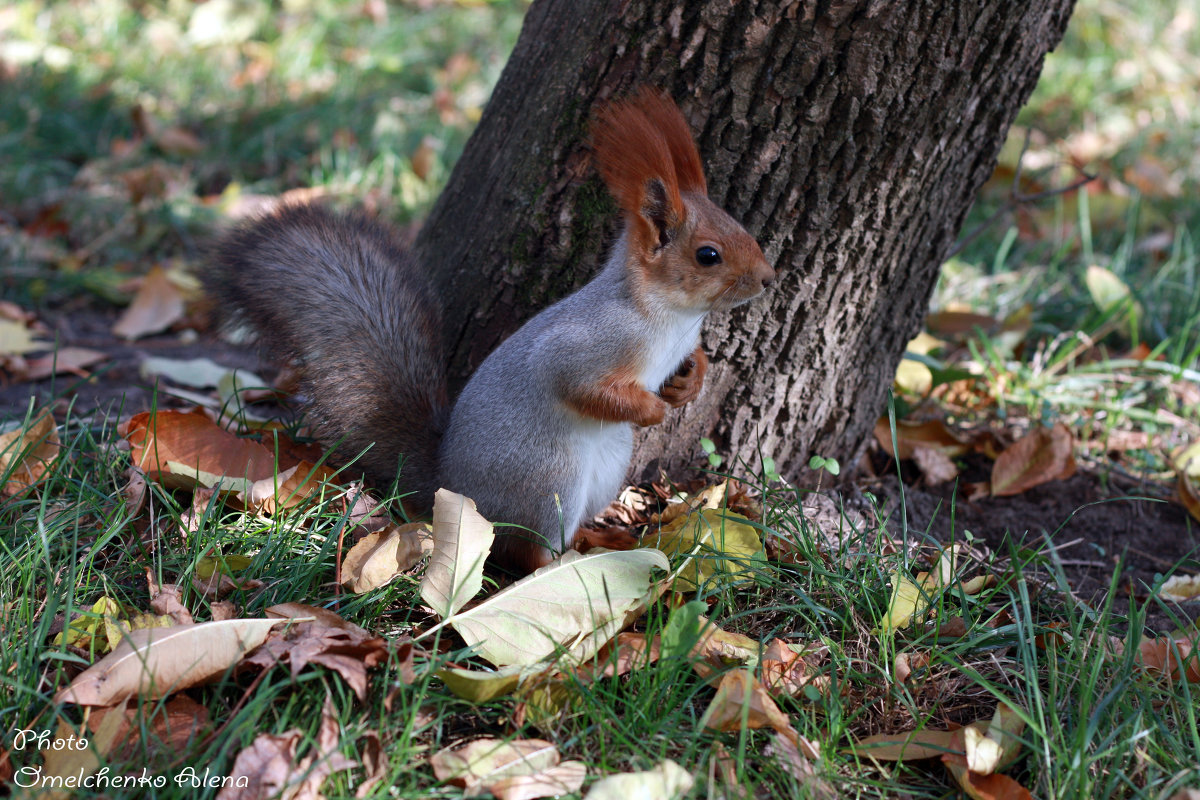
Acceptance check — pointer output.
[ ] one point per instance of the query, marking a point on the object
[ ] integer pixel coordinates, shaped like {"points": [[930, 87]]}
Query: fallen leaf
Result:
{"points": [[28, 454], [666, 781], [64, 760], [199, 373], [181, 450], [1180, 588], [563, 778], [786, 672], [462, 539], [380, 557], [318, 636], [907, 662], [288, 489], [716, 544], [742, 702], [1166, 654], [914, 746], [794, 754], [482, 762], [153, 662], [157, 306], [935, 465], [71, 360], [929, 434], [1042, 455], [577, 603], [168, 599]]}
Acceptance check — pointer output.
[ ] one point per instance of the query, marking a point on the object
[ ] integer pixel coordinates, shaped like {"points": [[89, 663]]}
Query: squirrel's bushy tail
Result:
{"points": [[342, 298]]}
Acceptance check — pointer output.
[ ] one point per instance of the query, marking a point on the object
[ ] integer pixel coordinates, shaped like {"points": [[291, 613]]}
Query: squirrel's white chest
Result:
{"points": [[675, 337]]}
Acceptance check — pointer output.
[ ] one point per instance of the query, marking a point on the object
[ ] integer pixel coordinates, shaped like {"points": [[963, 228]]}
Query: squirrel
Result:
{"points": [[542, 434]]}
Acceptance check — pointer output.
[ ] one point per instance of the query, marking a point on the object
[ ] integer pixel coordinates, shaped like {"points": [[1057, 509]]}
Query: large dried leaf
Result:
{"points": [[182, 450], [288, 489], [153, 662], [157, 306], [462, 539], [1181, 588], [578, 603], [931, 434], [1174, 656], [382, 556], [1041, 456], [72, 360], [27, 454], [914, 746], [666, 781], [16, 339]]}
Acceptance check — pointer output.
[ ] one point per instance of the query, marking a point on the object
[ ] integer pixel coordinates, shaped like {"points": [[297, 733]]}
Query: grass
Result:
{"points": [[98, 181]]}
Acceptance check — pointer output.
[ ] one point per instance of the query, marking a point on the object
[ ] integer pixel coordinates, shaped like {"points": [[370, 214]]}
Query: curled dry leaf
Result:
{"points": [[1166, 655], [907, 662], [153, 662], [794, 756], [157, 306], [931, 434], [153, 728], [181, 450], [380, 557], [28, 454], [288, 489], [785, 671], [1041, 456], [462, 540], [667, 781]]}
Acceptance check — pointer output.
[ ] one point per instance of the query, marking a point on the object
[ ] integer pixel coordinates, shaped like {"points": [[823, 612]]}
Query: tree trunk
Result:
{"points": [[850, 137]]}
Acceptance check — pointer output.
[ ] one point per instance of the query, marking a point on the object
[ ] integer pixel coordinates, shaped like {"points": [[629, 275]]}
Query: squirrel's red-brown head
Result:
{"points": [[690, 253]]}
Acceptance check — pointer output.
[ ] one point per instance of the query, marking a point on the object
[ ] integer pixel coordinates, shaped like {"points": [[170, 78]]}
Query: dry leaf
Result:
{"points": [[485, 761], [743, 702], [786, 672], [288, 489], [268, 768], [1180, 588], [714, 543], [181, 450], [153, 662], [327, 640], [380, 557], [71, 360], [27, 454], [907, 662], [64, 761], [934, 464], [576, 603], [1042, 455], [168, 599], [462, 540], [1166, 655], [157, 306], [930, 434], [667, 781]]}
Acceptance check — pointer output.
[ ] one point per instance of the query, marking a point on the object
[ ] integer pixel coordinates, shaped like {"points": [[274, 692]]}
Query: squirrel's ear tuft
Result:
{"points": [[643, 146]]}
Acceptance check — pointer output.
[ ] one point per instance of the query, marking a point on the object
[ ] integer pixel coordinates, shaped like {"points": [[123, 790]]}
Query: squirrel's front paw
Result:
{"points": [[684, 386]]}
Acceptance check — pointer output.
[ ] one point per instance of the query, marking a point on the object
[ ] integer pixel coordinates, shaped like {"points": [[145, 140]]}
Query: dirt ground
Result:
{"points": [[1095, 528]]}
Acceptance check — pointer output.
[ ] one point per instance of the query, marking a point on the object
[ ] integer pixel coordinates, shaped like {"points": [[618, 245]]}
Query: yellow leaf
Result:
{"points": [[714, 543], [207, 566], [1181, 588], [907, 601]]}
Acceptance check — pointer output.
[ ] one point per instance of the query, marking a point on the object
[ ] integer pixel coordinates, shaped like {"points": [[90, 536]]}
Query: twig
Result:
{"points": [[1016, 199]]}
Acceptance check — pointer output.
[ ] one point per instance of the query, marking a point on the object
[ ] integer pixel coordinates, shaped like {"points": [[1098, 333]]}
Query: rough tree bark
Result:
{"points": [[849, 136]]}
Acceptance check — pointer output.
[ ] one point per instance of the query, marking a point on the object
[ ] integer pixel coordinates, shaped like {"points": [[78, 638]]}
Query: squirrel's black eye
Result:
{"points": [[708, 256]]}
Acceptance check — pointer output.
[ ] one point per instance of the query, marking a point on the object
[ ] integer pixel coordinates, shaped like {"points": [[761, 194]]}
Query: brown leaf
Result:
{"points": [[1041, 456], [330, 641], [984, 787], [794, 756], [786, 672], [907, 662], [1167, 654], [380, 557], [629, 651], [168, 599], [72, 360], [27, 454], [223, 609], [157, 306], [222, 584], [935, 465], [152, 728], [291, 487], [930, 434], [743, 702], [134, 491], [271, 770], [1189, 493], [181, 450]]}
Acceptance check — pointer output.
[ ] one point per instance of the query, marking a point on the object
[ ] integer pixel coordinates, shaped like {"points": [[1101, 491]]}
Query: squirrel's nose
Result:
{"points": [[766, 275]]}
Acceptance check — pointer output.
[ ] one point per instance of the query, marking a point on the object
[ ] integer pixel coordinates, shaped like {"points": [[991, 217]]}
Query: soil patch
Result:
{"points": [[1094, 528]]}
